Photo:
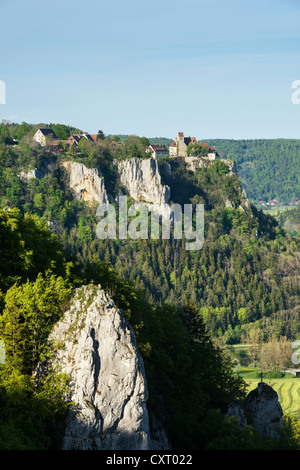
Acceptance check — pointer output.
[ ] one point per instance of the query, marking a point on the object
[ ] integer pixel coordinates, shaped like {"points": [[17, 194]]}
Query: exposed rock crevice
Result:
{"points": [[98, 351], [142, 180], [87, 183]]}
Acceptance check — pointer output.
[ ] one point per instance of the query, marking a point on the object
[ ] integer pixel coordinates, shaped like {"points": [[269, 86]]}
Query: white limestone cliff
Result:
{"points": [[87, 183], [142, 180], [95, 346]]}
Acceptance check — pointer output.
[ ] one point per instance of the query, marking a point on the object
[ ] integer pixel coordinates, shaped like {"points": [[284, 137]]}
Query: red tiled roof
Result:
{"points": [[173, 144], [159, 148]]}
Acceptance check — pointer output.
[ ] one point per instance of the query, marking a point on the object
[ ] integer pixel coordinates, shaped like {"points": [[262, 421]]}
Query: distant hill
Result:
{"points": [[269, 169], [153, 140]]}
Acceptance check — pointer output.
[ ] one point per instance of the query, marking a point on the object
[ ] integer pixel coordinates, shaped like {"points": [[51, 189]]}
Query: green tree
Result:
{"points": [[21, 130], [61, 131], [28, 248], [39, 202], [29, 313], [100, 135]]}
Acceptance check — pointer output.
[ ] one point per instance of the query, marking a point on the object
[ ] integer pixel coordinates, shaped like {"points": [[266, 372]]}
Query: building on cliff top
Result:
{"points": [[178, 147], [158, 150], [43, 136], [75, 138]]}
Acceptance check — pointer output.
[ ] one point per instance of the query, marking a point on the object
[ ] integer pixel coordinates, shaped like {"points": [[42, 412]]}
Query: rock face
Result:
{"points": [[108, 383], [234, 409], [142, 180], [262, 410], [87, 183], [200, 162], [31, 174]]}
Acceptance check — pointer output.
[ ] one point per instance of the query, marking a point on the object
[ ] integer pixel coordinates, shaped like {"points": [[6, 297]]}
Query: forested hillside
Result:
{"points": [[246, 276], [190, 380], [269, 168]]}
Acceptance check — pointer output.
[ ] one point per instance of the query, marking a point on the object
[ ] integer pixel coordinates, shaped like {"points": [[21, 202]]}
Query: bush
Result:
{"points": [[274, 374]]}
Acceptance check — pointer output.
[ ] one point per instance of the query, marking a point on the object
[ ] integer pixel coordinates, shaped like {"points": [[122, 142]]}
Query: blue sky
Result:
{"points": [[210, 68]]}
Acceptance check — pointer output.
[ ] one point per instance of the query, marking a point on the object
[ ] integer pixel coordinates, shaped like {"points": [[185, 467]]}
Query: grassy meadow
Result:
{"points": [[287, 388]]}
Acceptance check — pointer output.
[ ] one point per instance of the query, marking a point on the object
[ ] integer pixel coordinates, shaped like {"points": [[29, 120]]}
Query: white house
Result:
{"points": [[41, 136], [158, 150]]}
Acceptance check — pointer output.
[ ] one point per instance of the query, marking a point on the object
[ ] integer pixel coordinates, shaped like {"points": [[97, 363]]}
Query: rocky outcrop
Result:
{"points": [[25, 176], [235, 409], [243, 204], [142, 180], [86, 183], [95, 346], [204, 162], [262, 410]]}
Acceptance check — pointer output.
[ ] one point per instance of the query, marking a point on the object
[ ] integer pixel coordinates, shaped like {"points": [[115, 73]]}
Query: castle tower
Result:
{"points": [[178, 148], [181, 147]]}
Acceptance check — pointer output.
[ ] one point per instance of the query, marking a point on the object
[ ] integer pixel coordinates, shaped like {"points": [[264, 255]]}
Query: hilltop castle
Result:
{"points": [[178, 148]]}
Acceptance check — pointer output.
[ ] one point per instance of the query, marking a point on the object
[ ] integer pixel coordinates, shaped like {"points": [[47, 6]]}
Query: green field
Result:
{"points": [[288, 390], [275, 210]]}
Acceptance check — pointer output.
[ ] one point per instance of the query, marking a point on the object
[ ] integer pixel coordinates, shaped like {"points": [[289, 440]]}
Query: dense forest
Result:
{"points": [[244, 278], [269, 168], [190, 379]]}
